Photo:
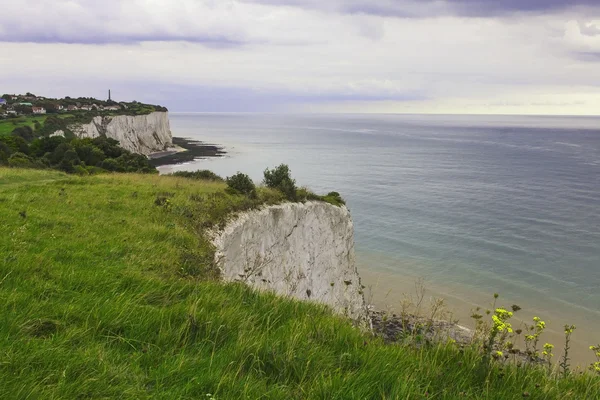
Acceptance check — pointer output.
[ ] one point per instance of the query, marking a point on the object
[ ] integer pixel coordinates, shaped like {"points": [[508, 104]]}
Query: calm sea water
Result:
{"points": [[475, 204]]}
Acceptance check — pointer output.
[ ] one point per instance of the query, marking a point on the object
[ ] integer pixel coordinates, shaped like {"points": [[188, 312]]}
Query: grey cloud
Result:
{"points": [[430, 8], [589, 28], [588, 56], [113, 22], [97, 38], [218, 23]]}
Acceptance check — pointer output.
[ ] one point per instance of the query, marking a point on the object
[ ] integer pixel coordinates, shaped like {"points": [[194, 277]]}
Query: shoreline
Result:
{"points": [[389, 293], [185, 150]]}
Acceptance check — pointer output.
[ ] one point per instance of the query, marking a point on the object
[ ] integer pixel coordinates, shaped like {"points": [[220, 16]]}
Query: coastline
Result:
{"points": [[390, 292], [185, 150]]}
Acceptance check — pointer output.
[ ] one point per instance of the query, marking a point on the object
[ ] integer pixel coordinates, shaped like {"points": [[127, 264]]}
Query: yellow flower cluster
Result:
{"points": [[569, 329], [539, 324], [499, 318], [548, 350]]}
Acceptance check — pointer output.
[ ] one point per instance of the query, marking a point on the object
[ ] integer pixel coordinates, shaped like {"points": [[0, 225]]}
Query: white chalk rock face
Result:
{"points": [[143, 134], [305, 251]]}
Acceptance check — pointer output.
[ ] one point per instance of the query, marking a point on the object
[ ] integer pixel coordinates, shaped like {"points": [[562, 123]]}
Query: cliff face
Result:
{"points": [[143, 134], [305, 251]]}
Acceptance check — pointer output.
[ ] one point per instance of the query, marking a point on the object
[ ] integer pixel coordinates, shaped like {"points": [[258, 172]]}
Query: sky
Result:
{"points": [[368, 56]]}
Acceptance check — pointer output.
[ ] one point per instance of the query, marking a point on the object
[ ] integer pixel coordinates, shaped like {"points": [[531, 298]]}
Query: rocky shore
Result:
{"points": [[185, 150], [395, 328]]}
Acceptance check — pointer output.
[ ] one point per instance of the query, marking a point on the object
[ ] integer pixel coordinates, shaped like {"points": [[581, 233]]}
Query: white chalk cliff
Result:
{"points": [[305, 251], [143, 134]]}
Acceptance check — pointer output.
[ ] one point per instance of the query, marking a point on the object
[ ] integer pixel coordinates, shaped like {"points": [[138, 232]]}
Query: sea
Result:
{"points": [[467, 206]]}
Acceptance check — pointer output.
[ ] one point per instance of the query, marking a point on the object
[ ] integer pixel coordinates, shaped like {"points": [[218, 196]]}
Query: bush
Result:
{"points": [[24, 132], [20, 160], [201, 175], [44, 145], [89, 154], [242, 183], [279, 178], [303, 194], [334, 198], [15, 144]]}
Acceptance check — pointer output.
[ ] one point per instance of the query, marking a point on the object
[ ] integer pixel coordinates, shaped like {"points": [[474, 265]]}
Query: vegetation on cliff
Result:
{"points": [[72, 155], [44, 115], [109, 291]]}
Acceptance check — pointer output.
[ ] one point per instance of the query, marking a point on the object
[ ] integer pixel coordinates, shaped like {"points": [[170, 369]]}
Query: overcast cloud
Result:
{"points": [[455, 56]]}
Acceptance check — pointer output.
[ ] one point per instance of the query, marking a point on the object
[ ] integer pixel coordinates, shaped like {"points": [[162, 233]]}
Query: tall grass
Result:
{"points": [[108, 292]]}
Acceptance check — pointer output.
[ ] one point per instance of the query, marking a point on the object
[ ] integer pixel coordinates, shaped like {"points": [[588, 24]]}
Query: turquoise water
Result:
{"points": [[479, 204]]}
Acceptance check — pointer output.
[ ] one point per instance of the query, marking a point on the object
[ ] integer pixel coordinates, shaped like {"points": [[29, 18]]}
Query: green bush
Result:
{"points": [[334, 198], [65, 154], [44, 145], [242, 183], [303, 194], [15, 144], [279, 178], [201, 175], [20, 160]]}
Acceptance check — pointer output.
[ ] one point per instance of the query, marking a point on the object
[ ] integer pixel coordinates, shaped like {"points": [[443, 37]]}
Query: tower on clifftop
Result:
{"points": [[109, 95]]}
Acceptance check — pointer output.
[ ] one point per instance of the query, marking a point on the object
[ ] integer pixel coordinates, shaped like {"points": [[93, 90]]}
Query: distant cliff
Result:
{"points": [[305, 251], [143, 134]]}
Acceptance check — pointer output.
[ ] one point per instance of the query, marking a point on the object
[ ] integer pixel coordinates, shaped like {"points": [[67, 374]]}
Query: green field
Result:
{"points": [[109, 291], [10, 124]]}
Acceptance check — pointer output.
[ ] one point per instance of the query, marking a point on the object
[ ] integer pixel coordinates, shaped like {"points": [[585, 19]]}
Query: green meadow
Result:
{"points": [[109, 291]]}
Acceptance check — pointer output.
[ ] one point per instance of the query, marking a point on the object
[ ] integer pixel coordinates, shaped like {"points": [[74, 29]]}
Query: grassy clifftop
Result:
{"points": [[108, 291]]}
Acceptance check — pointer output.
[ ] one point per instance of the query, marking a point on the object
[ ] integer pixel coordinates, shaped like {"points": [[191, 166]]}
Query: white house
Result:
{"points": [[38, 110]]}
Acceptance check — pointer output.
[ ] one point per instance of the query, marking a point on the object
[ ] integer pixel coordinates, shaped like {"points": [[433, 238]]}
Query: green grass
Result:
{"points": [[10, 124], [106, 292]]}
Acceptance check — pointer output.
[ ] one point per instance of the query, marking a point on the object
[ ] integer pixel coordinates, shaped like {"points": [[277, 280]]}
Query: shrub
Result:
{"points": [[334, 198], [303, 194], [24, 132], [20, 160], [242, 183], [44, 145], [69, 161], [5, 152], [15, 144], [203, 175], [90, 155], [279, 178], [109, 164]]}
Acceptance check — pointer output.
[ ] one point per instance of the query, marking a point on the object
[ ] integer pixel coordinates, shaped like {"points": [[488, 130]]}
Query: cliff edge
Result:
{"points": [[143, 134], [305, 251]]}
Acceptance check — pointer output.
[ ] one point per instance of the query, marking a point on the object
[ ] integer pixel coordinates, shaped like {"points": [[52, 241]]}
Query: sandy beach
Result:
{"points": [[388, 292]]}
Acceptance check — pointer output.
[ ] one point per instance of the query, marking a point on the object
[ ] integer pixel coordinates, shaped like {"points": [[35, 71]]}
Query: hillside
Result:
{"points": [[38, 116], [110, 291]]}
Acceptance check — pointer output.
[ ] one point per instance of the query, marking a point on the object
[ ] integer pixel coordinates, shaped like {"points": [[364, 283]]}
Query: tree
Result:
{"points": [[25, 132], [279, 178], [23, 109], [5, 153], [15, 143], [20, 160], [44, 145], [242, 184]]}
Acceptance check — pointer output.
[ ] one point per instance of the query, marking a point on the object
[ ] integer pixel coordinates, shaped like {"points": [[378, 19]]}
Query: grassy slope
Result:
{"points": [[102, 299], [10, 124]]}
